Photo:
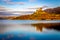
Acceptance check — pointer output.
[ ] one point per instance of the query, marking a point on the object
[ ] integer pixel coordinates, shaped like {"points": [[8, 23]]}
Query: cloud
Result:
{"points": [[43, 7], [10, 2], [15, 13], [7, 12], [32, 0], [7, 0], [18, 13], [4, 11], [21, 3], [2, 8], [33, 8]]}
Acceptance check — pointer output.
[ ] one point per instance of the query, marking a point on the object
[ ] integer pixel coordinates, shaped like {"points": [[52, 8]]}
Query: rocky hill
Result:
{"points": [[53, 10], [40, 15]]}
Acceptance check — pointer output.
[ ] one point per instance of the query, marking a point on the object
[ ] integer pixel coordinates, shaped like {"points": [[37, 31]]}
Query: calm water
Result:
{"points": [[24, 30]]}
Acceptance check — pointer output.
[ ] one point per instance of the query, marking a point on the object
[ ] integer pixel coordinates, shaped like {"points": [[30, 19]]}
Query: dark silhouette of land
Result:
{"points": [[39, 27], [53, 10]]}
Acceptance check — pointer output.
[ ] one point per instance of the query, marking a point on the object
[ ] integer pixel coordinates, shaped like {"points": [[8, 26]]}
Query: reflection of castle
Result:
{"points": [[39, 27], [39, 15]]}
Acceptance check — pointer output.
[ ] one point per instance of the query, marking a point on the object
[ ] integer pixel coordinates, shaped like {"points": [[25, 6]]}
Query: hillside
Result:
{"points": [[53, 10], [39, 15]]}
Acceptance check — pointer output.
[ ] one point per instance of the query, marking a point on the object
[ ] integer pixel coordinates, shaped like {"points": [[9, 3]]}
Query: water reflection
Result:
{"points": [[16, 28], [38, 31], [39, 27], [29, 27]]}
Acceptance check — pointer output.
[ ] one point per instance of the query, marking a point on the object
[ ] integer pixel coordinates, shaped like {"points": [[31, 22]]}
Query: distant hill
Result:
{"points": [[53, 10]]}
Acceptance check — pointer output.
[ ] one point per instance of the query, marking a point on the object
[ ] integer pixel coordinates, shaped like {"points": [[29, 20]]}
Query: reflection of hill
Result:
{"points": [[57, 27], [39, 27], [39, 15]]}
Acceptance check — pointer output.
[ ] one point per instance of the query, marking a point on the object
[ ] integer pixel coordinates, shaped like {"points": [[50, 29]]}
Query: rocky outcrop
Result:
{"points": [[39, 15]]}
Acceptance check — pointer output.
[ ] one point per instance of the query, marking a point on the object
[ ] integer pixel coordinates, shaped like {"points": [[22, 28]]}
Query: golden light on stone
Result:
{"points": [[39, 15]]}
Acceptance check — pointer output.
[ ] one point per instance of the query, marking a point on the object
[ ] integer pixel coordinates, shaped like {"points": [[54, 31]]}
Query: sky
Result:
{"points": [[22, 4], [27, 5]]}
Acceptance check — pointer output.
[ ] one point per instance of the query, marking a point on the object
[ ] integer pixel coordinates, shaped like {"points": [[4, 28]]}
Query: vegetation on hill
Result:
{"points": [[41, 15]]}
